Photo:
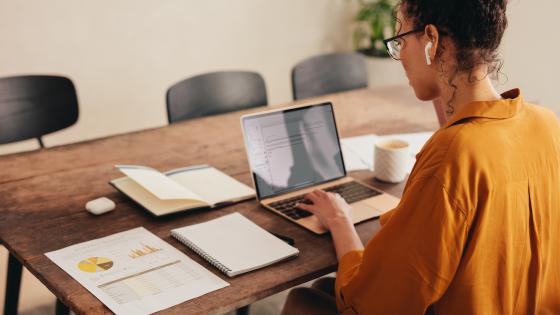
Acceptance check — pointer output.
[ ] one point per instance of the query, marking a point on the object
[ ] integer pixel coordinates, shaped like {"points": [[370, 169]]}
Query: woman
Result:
{"points": [[478, 225]]}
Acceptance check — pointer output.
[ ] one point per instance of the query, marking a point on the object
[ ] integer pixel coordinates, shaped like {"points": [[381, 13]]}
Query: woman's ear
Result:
{"points": [[431, 35]]}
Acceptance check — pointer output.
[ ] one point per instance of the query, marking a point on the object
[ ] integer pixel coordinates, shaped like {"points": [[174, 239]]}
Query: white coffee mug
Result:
{"points": [[391, 159]]}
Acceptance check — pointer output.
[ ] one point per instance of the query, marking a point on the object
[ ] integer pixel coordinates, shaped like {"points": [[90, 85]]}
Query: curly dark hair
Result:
{"points": [[476, 27]]}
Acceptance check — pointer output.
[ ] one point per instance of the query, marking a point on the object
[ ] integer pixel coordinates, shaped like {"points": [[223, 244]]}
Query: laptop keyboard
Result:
{"points": [[351, 192]]}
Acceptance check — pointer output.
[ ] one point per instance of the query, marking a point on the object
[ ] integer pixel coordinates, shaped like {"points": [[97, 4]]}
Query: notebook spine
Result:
{"points": [[202, 254]]}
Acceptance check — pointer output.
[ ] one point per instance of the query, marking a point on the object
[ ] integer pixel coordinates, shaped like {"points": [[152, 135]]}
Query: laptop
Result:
{"points": [[294, 151]]}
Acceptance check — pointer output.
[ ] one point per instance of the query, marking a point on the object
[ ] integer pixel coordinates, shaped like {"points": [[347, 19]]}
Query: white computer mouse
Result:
{"points": [[100, 205]]}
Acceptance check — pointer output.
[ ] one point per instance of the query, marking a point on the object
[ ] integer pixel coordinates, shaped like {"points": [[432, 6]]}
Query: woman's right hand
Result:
{"points": [[329, 208]]}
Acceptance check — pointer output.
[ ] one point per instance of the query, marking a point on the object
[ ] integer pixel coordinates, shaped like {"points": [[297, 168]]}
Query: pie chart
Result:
{"points": [[95, 264]]}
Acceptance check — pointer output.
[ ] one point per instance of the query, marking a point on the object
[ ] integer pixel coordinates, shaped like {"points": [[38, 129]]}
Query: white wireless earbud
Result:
{"points": [[427, 52]]}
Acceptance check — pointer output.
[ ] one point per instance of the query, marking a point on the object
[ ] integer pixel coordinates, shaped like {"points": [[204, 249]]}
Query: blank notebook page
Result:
{"points": [[236, 242], [212, 185]]}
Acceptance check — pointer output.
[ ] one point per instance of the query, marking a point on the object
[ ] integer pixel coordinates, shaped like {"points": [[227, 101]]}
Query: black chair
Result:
{"points": [[31, 107], [215, 93], [329, 73]]}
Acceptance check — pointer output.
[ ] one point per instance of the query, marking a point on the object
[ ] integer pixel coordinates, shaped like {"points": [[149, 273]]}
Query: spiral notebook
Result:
{"points": [[234, 244]]}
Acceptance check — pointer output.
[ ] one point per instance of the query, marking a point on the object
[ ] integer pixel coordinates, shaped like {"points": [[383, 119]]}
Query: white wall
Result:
{"points": [[124, 54], [531, 50]]}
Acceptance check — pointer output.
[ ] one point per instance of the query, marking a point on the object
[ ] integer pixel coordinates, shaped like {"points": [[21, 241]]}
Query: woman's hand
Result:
{"points": [[331, 209], [336, 215]]}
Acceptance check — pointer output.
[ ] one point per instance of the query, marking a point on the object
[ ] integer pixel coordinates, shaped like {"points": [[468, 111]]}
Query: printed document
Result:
{"points": [[136, 272]]}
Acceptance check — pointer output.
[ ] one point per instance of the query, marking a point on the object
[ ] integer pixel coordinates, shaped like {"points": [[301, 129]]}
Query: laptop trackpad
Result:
{"points": [[382, 203]]}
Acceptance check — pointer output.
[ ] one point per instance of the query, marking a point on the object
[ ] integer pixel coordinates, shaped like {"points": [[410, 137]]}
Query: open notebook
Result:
{"points": [[234, 244], [181, 189]]}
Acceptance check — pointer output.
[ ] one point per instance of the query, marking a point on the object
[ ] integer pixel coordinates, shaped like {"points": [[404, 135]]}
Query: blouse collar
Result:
{"points": [[510, 104]]}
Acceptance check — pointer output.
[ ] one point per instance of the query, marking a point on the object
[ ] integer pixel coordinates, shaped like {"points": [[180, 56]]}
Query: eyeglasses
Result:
{"points": [[394, 44]]}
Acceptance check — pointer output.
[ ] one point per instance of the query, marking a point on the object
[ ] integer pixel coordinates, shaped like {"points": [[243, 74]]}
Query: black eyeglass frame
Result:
{"points": [[388, 40]]}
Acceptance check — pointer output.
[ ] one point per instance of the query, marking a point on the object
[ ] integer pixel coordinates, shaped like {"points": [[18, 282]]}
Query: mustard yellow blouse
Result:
{"points": [[477, 230]]}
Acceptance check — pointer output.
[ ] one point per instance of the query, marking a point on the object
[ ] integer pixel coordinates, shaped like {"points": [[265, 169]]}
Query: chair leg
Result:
{"points": [[243, 311], [61, 309], [13, 284]]}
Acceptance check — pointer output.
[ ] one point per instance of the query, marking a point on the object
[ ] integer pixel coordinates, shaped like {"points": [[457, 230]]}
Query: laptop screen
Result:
{"points": [[293, 149]]}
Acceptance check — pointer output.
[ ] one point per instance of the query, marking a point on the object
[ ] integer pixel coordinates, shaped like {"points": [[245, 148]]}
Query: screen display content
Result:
{"points": [[293, 149]]}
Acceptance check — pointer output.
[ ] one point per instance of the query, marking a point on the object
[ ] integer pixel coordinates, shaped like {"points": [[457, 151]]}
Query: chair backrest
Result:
{"points": [[329, 73], [215, 93], [33, 106]]}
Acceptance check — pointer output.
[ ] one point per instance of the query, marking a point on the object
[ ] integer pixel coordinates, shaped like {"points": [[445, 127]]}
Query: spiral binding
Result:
{"points": [[202, 254]]}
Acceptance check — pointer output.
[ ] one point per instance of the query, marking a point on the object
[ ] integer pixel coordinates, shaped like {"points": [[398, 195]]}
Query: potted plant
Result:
{"points": [[375, 22]]}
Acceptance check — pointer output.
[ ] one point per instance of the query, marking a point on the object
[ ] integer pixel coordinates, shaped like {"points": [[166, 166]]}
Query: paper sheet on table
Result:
{"points": [[157, 183], [135, 272], [358, 151]]}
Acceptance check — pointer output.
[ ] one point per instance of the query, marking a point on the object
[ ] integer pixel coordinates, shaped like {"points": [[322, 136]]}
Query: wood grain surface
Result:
{"points": [[43, 193]]}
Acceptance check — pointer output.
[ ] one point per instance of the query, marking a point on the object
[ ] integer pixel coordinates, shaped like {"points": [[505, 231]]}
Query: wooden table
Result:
{"points": [[42, 196]]}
